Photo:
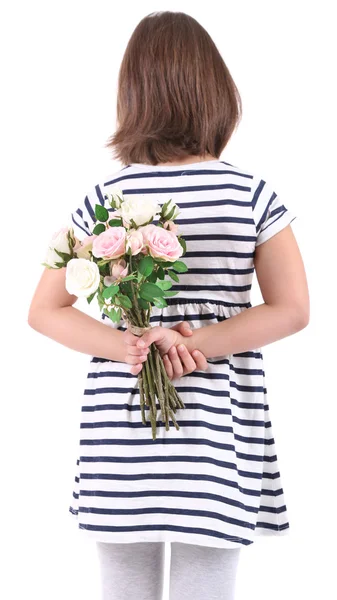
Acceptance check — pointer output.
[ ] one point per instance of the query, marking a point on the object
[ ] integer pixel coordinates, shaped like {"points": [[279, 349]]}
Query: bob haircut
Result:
{"points": [[175, 95]]}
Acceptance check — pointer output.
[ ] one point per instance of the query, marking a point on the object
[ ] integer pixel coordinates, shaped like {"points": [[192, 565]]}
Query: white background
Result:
{"points": [[60, 63]]}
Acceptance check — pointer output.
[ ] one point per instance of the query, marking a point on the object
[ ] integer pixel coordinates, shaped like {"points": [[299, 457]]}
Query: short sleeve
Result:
{"points": [[82, 217], [269, 213]]}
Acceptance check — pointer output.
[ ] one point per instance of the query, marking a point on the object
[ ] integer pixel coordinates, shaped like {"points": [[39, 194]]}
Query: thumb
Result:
{"points": [[149, 337]]}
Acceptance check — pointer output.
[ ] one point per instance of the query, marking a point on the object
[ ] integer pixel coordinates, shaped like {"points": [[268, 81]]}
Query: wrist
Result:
{"points": [[189, 342]]}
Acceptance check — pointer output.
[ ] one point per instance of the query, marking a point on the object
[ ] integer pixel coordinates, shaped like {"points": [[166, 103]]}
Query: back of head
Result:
{"points": [[175, 95]]}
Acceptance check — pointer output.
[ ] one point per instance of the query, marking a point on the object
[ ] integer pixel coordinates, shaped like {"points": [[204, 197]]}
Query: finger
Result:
{"points": [[183, 327], [151, 336], [187, 360], [135, 369], [178, 370], [135, 351], [134, 360], [200, 360], [168, 366], [130, 338]]}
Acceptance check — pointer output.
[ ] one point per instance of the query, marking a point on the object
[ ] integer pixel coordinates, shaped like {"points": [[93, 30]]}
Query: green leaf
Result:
{"points": [[98, 228], [110, 291], [103, 261], [115, 222], [125, 301], [146, 265], [169, 216], [160, 302], [170, 293], [89, 298], [143, 304], [180, 266], [114, 315], [182, 243], [101, 213], [164, 285], [148, 291], [161, 273], [129, 277], [63, 255], [153, 277], [173, 275]]}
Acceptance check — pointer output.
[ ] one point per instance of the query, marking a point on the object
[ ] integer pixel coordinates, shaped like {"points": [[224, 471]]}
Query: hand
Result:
{"points": [[175, 365], [133, 355], [179, 361]]}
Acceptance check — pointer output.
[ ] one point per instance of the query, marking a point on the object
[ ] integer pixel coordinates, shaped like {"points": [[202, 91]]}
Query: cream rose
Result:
{"points": [[161, 242], [138, 208], [59, 241], [82, 251], [82, 277], [134, 241], [110, 243]]}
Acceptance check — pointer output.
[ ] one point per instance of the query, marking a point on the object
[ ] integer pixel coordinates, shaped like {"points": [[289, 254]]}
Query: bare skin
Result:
{"points": [[285, 311], [52, 313]]}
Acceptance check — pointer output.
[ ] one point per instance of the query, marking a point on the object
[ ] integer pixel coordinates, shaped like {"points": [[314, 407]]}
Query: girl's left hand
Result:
{"points": [[164, 338]]}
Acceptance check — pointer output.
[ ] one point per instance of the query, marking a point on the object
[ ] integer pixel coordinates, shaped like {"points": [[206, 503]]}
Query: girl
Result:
{"points": [[212, 486]]}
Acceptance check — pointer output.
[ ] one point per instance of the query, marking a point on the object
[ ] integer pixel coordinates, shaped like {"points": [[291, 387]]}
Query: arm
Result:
{"points": [[282, 280], [52, 313]]}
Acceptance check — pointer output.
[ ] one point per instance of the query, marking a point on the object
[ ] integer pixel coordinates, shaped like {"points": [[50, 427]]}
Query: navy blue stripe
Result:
{"points": [[78, 224], [217, 253], [171, 476], [272, 526], [89, 209], [183, 423], [175, 441], [257, 193], [169, 459], [99, 194], [225, 271], [214, 219], [188, 405], [219, 236], [284, 210], [169, 511], [159, 527], [186, 188], [265, 212], [221, 288]]}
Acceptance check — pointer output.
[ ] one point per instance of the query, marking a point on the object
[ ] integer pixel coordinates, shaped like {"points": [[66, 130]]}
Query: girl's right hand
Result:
{"points": [[177, 363]]}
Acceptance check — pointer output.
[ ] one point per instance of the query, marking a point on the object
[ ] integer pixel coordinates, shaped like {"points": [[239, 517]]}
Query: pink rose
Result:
{"points": [[119, 269], [171, 226], [161, 242], [110, 243], [134, 241]]}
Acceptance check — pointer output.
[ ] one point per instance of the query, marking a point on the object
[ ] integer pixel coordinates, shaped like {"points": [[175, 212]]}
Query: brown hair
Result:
{"points": [[175, 96]]}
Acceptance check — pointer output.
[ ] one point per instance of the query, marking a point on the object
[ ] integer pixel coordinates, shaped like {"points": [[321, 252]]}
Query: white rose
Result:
{"points": [[141, 210], [82, 277], [59, 241]]}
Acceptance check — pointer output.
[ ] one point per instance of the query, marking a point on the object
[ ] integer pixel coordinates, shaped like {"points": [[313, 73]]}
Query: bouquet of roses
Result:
{"points": [[124, 263]]}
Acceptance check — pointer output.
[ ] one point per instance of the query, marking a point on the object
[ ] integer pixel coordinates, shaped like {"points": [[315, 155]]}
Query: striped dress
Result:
{"points": [[216, 481]]}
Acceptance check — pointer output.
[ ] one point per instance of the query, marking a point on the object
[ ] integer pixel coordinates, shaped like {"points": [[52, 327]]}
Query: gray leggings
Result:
{"points": [[136, 571]]}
